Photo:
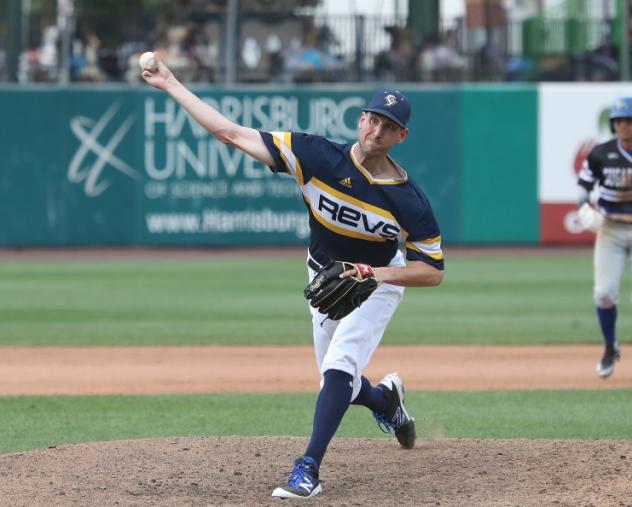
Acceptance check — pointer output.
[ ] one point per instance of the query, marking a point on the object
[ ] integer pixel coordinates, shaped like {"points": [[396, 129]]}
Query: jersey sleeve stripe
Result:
{"points": [[436, 257], [278, 144], [299, 169], [352, 200], [615, 195], [430, 241], [283, 142], [430, 247]]}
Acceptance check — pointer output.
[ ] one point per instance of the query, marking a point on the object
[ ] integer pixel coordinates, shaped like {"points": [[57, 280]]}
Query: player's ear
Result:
{"points": [[403, 134], [361, 119]]}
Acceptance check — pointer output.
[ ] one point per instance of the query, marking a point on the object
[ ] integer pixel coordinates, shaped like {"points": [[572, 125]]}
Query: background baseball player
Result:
{"points": [[608, 168], [361, 205]]}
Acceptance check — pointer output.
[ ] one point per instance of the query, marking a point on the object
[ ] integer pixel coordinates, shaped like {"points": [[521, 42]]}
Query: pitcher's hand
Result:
{"points": [[159, 76]]}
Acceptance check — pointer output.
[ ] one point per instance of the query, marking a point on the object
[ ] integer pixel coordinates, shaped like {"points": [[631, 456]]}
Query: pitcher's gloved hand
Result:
{"points": [[337, 297]]}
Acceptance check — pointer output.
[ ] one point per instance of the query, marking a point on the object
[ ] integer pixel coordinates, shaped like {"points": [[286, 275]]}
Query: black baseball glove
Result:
{"points": [[337, 297]]}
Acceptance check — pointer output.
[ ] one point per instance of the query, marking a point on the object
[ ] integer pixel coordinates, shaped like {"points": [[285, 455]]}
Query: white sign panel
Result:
{"points": [[572, 117]]}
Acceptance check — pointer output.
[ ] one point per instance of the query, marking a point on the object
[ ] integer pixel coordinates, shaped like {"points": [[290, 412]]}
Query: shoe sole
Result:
{"points": [[606, 372], [284, 493], [406, 435], [403, 434]]}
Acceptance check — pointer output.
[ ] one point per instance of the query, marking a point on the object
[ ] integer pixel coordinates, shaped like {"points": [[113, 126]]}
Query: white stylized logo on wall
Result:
{"points": [[182, 161], [95, 155]]}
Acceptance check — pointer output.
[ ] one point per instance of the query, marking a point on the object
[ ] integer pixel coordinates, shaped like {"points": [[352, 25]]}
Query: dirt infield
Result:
{"points": [[240, 471], [155, 370], [237, 471]]}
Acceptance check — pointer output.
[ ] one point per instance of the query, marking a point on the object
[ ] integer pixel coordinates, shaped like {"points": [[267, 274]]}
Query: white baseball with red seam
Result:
{"points": [[148, 59]]}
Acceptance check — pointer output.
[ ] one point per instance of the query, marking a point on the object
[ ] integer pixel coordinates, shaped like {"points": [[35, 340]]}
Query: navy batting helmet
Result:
{"points": [[621, 108]]}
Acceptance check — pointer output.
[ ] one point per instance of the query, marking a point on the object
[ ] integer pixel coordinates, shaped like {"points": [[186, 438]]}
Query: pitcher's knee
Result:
{"points": [[605, 300]]}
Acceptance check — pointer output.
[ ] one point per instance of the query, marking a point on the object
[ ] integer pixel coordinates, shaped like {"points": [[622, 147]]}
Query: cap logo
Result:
{"points": [[390, 100]]}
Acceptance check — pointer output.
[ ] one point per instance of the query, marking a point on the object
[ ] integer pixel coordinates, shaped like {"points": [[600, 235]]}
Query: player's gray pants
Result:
{"points": [[348, 344], [613, 247]]}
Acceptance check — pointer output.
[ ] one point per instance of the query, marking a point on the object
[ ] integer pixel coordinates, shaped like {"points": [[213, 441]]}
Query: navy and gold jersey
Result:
{"points": [[354, 216], [609, 166]]}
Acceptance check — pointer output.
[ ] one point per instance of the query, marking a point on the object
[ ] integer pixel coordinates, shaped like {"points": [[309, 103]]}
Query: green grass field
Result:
{"points": [[490, 299], [30, 422], [485, 299]]}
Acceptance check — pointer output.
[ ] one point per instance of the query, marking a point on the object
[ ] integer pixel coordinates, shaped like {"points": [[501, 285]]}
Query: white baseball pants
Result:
{"points": [[613, 248], [348, 344]]}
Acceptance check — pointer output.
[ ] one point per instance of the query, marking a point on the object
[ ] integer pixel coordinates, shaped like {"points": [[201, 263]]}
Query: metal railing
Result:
{"points": [[318, 48]]}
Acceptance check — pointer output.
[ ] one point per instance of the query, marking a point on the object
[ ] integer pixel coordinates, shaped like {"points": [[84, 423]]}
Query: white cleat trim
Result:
{"points": [[604, 372], [397, 384], [281, 492]]}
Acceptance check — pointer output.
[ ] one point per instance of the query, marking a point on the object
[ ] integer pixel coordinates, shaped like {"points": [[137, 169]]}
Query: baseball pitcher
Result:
{"points": [[362, 205]]}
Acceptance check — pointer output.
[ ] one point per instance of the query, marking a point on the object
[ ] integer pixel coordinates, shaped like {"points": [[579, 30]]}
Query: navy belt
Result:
{"points": [[313, 265]]}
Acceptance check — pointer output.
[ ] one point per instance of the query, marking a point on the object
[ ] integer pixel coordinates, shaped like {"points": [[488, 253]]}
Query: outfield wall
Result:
{"points": [[127, 166]]}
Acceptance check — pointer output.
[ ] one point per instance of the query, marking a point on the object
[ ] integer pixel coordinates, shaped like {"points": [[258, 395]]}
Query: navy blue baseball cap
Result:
{"points": [[392, 104]]}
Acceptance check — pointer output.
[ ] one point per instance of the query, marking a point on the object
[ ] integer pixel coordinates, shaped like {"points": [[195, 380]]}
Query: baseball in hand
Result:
{"points": [[148, 59]]}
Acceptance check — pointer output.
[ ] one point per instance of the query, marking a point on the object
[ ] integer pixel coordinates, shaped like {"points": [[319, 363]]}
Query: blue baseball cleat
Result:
{"points": [[396, 417], [304, 481]]}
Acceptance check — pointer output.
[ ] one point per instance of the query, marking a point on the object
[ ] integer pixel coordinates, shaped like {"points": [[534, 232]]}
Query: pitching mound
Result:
{"points": [[243, 471]]}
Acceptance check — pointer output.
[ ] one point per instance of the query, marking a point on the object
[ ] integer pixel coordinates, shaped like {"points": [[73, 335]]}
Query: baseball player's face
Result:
{"points": [[623, 129], [379, 134]]}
